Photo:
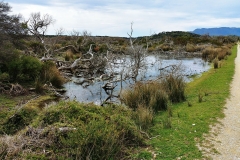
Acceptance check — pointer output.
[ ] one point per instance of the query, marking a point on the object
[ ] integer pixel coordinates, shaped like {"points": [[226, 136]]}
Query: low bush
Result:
{"points": [[20, 119], [71, 130], [24, 68]]}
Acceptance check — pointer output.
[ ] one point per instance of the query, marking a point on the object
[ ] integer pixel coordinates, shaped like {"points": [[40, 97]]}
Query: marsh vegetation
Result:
{"points": [[39, 121]]}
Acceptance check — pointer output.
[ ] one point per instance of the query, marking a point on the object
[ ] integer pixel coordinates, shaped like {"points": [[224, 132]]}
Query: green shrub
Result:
{"points": [[30, 67], [71, 130], [26, 68], [20, 119], [4, 77], [14, 69]]}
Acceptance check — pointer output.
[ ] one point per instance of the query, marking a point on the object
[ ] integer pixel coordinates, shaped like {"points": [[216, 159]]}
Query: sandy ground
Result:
{"points": [[223, 142]]}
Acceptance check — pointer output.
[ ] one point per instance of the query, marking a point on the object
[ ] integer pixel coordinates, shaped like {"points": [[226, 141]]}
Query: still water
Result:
{"points": [[93, 91]]}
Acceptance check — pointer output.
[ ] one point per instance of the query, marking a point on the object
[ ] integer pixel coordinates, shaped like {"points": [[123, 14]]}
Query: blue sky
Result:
{"points": [[114, 17]]}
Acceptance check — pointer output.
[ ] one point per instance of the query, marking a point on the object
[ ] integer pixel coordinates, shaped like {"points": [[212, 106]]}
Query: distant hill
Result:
{"points": [[174, 34], [222, 31]]}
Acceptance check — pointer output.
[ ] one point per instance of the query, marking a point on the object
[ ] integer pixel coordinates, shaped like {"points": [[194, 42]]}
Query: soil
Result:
{"points": [[223, 141]]}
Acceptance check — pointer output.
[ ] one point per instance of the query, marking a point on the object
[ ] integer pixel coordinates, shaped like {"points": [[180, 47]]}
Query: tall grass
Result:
{"points": [[144, 117], [155, 95], [174, 85], [149, 95], [210, 53], [51, 74]]}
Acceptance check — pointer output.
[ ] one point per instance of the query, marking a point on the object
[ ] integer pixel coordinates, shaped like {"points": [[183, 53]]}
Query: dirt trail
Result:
{"points": [[225, 137]]}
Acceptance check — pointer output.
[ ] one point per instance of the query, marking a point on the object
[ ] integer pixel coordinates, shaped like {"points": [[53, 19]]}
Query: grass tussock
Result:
{"points": [[215, 63], [175, 86], [192, 48], [144, 117], [211, 53], [50, 74], [68, 55], [165, 47], [150, 95], [155, 95]]}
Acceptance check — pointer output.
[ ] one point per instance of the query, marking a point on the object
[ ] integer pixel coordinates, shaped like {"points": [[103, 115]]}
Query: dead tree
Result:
{"points": [[37, 25], [137, 55]]}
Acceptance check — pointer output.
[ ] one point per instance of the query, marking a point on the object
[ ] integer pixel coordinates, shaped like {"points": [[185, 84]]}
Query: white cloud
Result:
{"points": [[113, 18]]}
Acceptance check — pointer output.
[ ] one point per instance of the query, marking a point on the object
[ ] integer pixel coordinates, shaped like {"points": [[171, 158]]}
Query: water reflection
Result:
{"points": [[93, 91]]}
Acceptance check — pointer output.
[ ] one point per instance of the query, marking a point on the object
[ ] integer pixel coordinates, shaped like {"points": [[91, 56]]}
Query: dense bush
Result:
{"points": [[19, 120], [71, 130], [24, 68]]}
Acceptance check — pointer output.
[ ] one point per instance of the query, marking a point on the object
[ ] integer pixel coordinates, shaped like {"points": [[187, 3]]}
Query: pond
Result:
{"points": [[94, 92]]}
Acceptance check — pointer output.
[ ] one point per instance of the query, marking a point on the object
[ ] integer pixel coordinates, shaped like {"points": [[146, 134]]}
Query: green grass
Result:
{"points": [[25, 107], [190, 122]]}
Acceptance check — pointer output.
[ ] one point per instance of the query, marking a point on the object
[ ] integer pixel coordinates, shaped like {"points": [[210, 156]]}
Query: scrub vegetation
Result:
{"points": [[158, 119]]}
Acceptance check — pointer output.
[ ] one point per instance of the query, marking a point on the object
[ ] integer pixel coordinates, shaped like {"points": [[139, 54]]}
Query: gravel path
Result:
{"points": [[223, 143]]}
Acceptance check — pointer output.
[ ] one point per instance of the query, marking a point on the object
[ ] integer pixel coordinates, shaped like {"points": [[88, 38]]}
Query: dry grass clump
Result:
{"points": [[165, 47], [174, 86], [192, 48], [51, 74], [211, 53], [155, 95], [145, 94], [215, 63], [68, 55], [144, 117]]}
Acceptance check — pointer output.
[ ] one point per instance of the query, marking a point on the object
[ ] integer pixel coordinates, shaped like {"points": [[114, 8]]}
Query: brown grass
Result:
{"points": [[192, 48], [146, 94], [68, 55], [144, 117]]}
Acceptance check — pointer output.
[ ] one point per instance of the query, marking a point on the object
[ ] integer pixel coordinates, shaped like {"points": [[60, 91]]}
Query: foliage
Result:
{"points": [[11, 33], [70, 130], [26, 67], [4, 77], [19, 117]]}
